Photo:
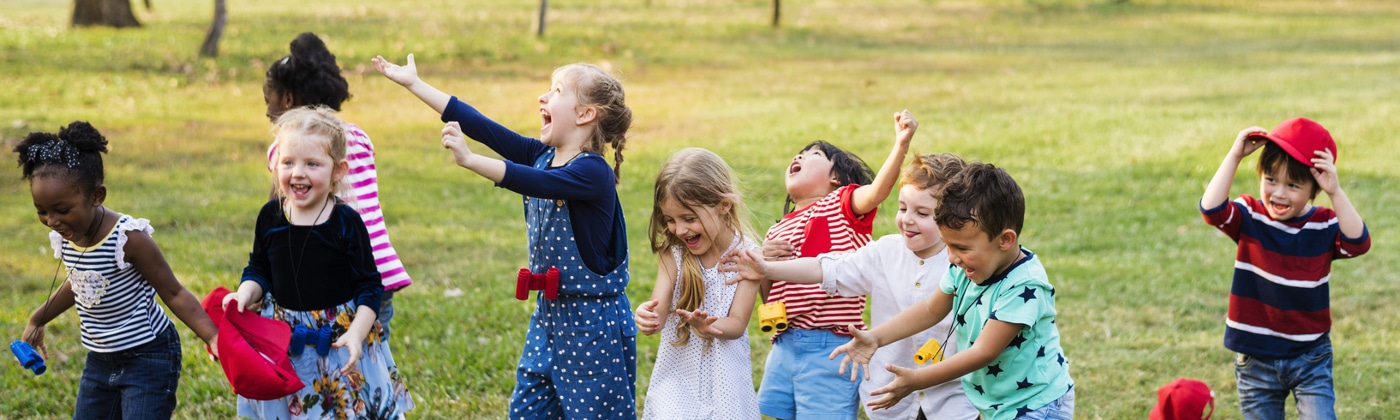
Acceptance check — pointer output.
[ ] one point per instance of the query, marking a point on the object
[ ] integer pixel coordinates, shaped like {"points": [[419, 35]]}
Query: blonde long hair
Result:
{"points": [[311, 123], [695, 177]]}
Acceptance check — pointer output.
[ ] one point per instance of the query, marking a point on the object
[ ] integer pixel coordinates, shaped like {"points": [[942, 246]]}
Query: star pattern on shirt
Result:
{"points": [[961, 320], [1016, 341], [994, 369], [992, 315], [1023, 383], [978, 388], [1040, 353], [1023, 411], [1061, 359], [1028, 294]]}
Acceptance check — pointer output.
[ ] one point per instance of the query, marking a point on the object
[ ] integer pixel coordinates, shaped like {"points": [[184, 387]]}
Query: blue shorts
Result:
{"points": [[801, 381]]}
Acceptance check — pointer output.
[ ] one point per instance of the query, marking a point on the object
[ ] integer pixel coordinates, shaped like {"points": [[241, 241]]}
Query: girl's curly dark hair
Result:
{"points": [[75, 151], [309, 74]]}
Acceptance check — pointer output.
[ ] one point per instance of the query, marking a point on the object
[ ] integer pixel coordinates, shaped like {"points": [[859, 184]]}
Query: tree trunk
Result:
{"points": [[539, 29], [114, 13], [216, 31], [776, 9]]}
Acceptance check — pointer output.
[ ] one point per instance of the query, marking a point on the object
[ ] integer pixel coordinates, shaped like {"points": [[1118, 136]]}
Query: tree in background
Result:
{"points": [[114, 13], [210, 48]]}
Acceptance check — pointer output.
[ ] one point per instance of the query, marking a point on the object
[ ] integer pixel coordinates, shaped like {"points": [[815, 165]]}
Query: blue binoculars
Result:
{"points": [[28, 358], [302, 337]]}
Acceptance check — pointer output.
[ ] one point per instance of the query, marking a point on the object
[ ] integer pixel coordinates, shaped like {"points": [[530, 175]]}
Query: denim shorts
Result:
{"points": [[1060, 409], [800, 380], [137, 383], [1265, 383]]}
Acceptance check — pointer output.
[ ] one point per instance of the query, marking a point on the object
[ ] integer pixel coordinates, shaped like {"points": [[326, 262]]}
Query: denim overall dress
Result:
{"points": [[580, 354]]}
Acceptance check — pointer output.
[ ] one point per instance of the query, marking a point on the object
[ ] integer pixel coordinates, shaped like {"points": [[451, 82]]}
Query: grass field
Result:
{"points": [[1111, 116]]}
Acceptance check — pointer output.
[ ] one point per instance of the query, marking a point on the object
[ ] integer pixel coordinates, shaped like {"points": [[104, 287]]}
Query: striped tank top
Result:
{"points": [[116, 305]]}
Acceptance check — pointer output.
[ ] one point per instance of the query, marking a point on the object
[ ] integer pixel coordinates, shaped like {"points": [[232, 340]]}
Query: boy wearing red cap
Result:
{"points": [[1279, 316]]}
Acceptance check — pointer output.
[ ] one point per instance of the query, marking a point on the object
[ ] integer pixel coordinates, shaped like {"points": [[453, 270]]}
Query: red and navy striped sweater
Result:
{"points": [[1279, 302]]}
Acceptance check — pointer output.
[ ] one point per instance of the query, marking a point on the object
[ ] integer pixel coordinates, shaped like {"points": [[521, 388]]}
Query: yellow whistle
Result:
{"points": [[772, 317], [930, 352]]}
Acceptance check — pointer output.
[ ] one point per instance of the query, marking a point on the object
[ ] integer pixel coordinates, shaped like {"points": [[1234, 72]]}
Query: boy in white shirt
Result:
{"points": [[897, 271]]}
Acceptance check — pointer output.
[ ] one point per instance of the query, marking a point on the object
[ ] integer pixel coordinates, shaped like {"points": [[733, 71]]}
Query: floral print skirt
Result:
{"points": [[373, 390]]}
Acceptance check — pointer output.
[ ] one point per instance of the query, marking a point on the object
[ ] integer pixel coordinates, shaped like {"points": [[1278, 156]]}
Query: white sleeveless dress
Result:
{"points": [[693, 382]]}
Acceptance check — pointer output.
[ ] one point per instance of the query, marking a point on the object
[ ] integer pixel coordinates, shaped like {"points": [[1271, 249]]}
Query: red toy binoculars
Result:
{"points": [[547, 283]]}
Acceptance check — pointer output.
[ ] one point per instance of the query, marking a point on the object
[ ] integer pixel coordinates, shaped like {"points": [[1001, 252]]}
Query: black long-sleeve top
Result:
{"points": [[314, 267]]}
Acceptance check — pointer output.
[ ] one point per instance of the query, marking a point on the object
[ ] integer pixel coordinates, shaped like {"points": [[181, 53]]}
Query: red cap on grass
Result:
{"points": [[1183, 399], [252, 350], [1300, 137]]}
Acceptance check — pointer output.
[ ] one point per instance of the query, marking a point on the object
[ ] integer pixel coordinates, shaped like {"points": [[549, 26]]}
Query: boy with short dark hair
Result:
{"points": [[1003, 307], [1279, 315]]}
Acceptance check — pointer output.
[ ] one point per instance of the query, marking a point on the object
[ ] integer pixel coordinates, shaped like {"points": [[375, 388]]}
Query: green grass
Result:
{"points": [[1111, 116]]}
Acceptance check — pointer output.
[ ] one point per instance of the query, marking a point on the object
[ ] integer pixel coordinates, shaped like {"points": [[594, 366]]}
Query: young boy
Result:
{"points": [[1279, 317], [897, 271], [1003, 309]]}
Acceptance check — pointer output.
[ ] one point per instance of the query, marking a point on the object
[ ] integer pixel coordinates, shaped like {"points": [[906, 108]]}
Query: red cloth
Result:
{"points": [[252, 350], [1183, 399]]}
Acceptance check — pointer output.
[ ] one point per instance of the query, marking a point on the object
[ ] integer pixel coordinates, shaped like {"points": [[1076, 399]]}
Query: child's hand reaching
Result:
{"points": [[748, 264], [857, 352], [778, 250], [648, 322], [405, 75], [701, 321], [1249, 140], [34, 335], [1325, 172], [454, 140], [894, 391], [355, 343], [245, 301], [904, 126]]}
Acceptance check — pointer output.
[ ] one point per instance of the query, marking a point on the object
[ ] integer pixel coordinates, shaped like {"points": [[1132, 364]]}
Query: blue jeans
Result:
{"points": [[1265, 383], [1060, 409], [137, 383], [386, 311]]}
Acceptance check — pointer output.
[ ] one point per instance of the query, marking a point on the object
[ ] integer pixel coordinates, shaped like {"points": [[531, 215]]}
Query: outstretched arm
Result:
{"points": [[750, 265], [58, 303], [454, 140], [407, 76], [143, 253], [1218, 191], [1325, 172], [866, 198], [994, 339], [908, 322]]}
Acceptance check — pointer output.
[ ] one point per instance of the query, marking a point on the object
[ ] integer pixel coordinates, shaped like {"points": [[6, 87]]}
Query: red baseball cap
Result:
{"points": [[252, 350], [1300, 137], [1183, 399]]}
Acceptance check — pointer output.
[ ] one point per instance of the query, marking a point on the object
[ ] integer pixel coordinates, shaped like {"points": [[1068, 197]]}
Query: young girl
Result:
{"points": [[898, 271], [312, 267], [114, 269], [309, 77], [580, 351], [702, 369], [835, 210]]}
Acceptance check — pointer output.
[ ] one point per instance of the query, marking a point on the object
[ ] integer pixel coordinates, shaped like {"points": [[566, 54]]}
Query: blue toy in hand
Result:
{"points": [[28, 357]]}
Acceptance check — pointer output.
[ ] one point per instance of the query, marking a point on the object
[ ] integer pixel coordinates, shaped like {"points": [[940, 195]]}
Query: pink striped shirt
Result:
{"points": [[360, 189], [828, 225]]}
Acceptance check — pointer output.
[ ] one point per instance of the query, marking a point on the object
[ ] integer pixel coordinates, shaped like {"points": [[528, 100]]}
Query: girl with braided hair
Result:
{"points": [[579, 357], [113, 271]]}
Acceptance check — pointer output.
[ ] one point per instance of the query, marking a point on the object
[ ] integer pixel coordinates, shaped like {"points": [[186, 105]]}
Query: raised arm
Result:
{"points": [[866, 198], [1218, 191], [143, 253], [407, 76], [1325, 172]]}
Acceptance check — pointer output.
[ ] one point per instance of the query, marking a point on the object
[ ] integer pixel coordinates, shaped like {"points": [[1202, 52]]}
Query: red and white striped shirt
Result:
{"points": [[360, 190], [829, 225]]}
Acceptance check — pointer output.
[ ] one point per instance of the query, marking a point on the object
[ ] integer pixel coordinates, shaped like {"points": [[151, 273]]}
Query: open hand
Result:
{"points": [[894, 391], [355, 344], [1325, 171], [746, 263], [405, 75], [1249, 140], [857, 352], [701, 321]]}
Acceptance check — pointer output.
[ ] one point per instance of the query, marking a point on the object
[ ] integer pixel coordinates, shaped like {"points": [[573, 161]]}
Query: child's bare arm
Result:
{"points": [[995, 337], [733, 324], [866, 198], [749, 265], [651, 315], [908, 322], [1325, 172], [58, 303], [407, 76], [354, 337], [143, 253], [1218, 191]]}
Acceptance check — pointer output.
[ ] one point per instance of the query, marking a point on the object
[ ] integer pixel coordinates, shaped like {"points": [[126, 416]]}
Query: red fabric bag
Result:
{"points": [[252, 350]]}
